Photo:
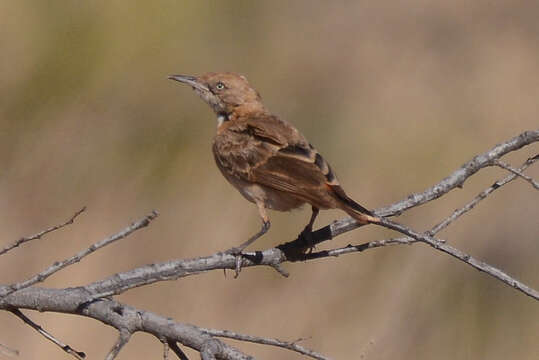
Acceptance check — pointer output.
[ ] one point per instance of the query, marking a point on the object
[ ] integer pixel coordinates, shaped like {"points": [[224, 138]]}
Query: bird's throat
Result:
{"points": [[221, 119]]}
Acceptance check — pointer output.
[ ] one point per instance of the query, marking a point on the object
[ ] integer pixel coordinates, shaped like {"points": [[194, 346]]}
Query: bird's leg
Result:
{"points": [[307, 233], [237, 251]]}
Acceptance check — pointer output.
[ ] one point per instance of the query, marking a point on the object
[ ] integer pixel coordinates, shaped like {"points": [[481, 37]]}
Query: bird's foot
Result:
{"points": [[307, 238], [237, 253], [234, 251]]}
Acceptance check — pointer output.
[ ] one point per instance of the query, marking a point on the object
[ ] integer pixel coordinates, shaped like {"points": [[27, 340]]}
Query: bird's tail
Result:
{"points": [[352, 208]]}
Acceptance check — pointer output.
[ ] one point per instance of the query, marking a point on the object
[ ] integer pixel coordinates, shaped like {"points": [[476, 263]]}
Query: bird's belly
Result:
{"points": [[272, 199]]}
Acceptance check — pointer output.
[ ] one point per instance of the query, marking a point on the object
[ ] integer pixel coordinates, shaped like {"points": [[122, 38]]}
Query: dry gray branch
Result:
{"points": [[40, 234], [68, 349], [172, 270], [120, 316], [57, 266], [437, 228], [123, 338], [481, 196], [293, 346], [456, 253], [517, 172], [90, 301]]}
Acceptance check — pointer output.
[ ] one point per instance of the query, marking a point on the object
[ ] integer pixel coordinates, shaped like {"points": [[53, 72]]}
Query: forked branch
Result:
{"points": [[92, 300]]}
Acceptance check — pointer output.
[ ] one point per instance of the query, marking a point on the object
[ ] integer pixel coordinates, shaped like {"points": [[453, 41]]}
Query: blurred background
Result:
{"points": [[396, 95]]}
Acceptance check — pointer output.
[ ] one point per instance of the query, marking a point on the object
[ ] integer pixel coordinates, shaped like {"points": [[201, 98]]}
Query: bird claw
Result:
{"points": [[234, 251], [307, 236], [237, 253]]}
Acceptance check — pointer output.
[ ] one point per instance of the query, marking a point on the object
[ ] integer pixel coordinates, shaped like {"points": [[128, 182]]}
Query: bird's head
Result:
{"points": [[224, 92]]}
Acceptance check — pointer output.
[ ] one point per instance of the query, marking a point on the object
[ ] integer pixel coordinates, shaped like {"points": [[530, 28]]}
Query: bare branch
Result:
{"points": [[89, 300], [120, 316], [293, 346], [517, 172], [457, 178], [68, 349], [481, 196], [180, 268], [57, 266], [40, 234], [440, 226], [123, 338], [479, 265]]}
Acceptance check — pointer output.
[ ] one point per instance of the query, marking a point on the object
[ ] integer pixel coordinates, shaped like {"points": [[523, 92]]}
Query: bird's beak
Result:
{"points": [[189, 80]]}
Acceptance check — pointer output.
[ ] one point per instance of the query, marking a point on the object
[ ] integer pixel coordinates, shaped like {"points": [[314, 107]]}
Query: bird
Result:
{"points": [[265, 157]]}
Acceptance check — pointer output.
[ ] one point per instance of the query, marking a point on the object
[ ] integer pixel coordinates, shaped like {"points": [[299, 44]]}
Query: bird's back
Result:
{"points": [[260, 148]]}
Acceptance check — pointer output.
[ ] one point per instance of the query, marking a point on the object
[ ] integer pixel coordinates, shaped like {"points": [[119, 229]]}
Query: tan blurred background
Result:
{"points": [[396, 95]]}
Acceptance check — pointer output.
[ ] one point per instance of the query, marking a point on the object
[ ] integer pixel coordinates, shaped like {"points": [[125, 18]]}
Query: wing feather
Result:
{"points": [[271, 152]]}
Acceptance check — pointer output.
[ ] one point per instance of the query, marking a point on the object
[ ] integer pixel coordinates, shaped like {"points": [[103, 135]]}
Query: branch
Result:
{"points": [[120, 316], [481, 196], [68, 349], [123, 338], [440, 226], [293, 346], [455, 180], [89, 300], [517, 172], [479, 265], [172, 270], [57, 266], [40, 234]]}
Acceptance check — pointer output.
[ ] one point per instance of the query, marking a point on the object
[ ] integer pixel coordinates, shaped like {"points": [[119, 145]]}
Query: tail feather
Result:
{"points": [[353, 209]]}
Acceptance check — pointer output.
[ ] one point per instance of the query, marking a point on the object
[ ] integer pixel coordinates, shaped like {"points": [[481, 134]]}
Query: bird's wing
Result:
{"points": [[271, 152]]}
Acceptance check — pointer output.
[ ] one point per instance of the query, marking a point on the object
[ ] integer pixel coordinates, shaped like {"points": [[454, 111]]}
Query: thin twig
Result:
{"points": [[437, 228], [57, 266], [454, 180], [456, 253], [68, 349], [439, 245], [481, 196], [176, 349], [280, 270], [293, 346], [517, 172], [123, 338], [40, 234]]}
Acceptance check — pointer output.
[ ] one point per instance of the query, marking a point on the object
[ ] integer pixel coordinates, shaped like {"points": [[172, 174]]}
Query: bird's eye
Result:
{"points": [[220, 86]]}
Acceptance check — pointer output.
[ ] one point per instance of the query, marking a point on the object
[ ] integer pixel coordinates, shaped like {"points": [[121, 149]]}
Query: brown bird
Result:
{"points": [[266, 158]]}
